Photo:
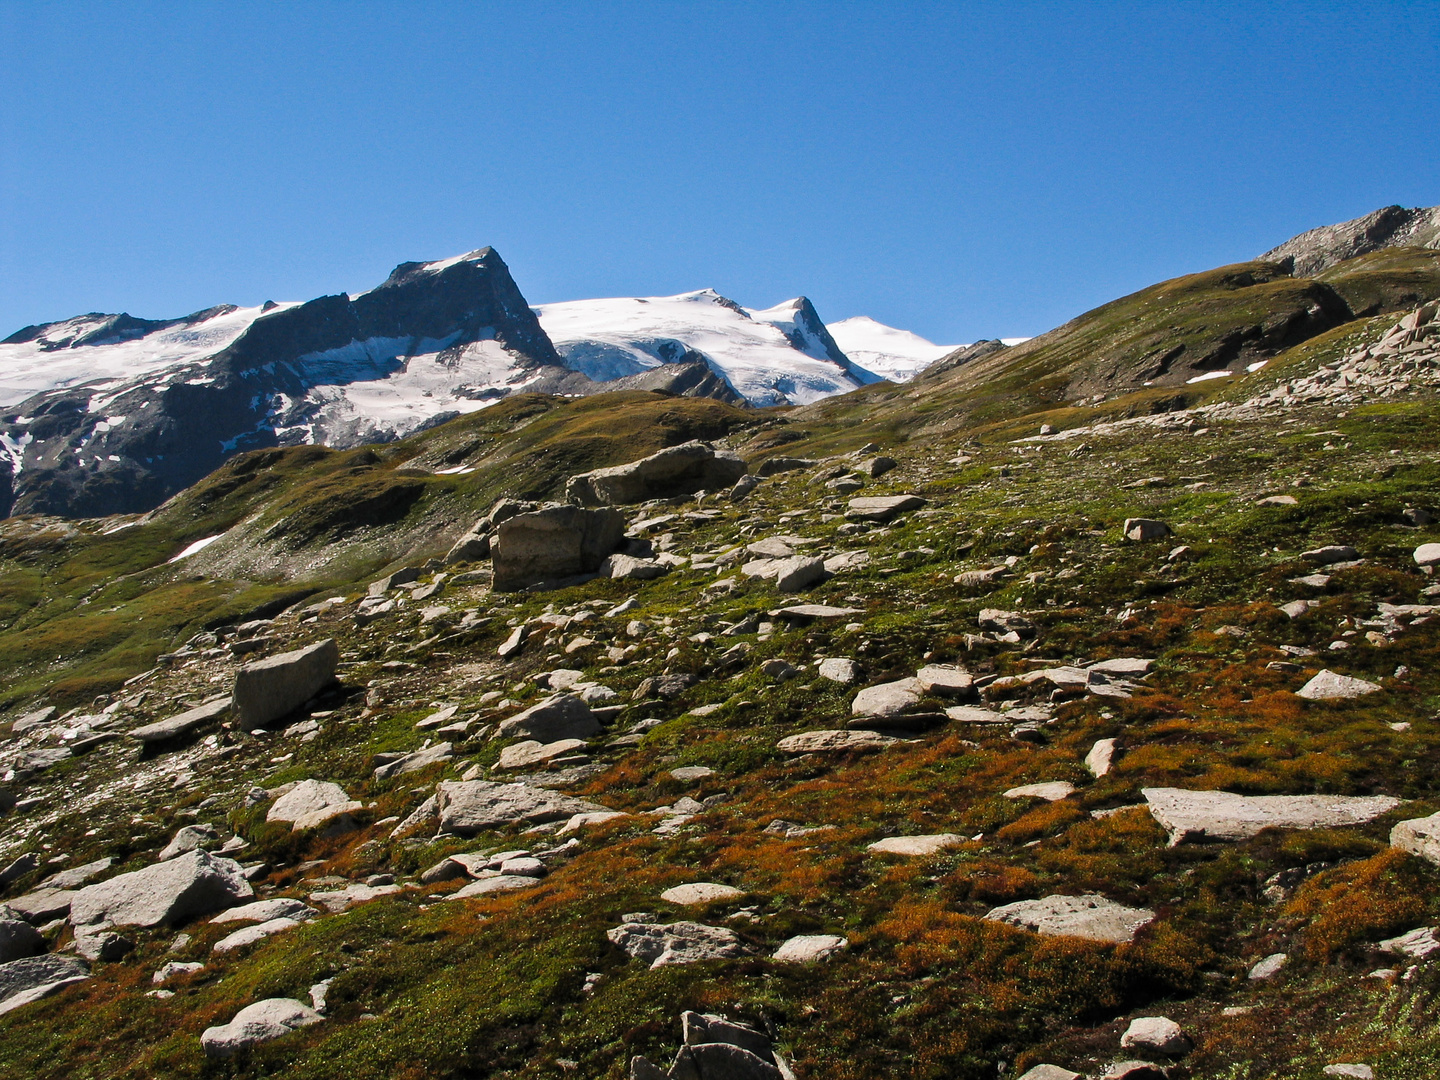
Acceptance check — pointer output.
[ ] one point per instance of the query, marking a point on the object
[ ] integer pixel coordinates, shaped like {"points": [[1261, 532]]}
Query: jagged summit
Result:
{"points": [[1391, 226]]}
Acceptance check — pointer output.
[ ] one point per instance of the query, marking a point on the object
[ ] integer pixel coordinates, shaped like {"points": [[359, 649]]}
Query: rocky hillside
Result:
{"points": [[979, 728], [1389, 227]]}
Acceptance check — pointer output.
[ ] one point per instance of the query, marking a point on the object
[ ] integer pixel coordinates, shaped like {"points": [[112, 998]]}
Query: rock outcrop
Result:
{"points": [[552, 544], [270, 689], [676, 470]]}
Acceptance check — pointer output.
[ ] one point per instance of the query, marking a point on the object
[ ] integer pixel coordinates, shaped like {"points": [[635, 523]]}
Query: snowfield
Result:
{"points": [[897, 355]]}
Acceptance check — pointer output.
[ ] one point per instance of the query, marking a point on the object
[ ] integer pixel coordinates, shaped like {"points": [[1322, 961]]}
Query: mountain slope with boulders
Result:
{"points": [[975, 729]]}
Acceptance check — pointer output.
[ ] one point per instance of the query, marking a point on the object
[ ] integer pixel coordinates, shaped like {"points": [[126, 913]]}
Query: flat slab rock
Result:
{"points": [[1191, 816], [1418, 836], [812, 742], [564, 716], [282, 907], [882, 508], [886, 699], [34, 972], [257, 1023], [339, 900], [701, 892], [1328, 686], [196, 883], [468, 806], [915, 845], [1091, 916], [310, 803], [1053, 791], [492, 885], [677, 943], [810, 948], [183, 723]]}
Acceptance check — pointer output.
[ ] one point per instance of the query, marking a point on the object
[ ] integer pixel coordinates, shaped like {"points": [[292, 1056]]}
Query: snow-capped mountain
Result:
{"points": [[775, 356], [109, 414], [897, 355], [105, 414]]}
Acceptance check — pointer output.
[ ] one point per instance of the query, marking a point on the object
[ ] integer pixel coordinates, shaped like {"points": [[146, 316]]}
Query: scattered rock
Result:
{"points": [[420, 759], [184, 723], [1418, 836], [1005, 622], [269, 689], [189, 838], [1101, 757], [18, 939], [489, 886], [1090, 916], [882, 508], [1328, 686], [1427, 555], [674, 471], [1194, 816], [837, 669], [33, 977], [563, 716], [195, 883], [691, 773], [876, 467], [42, 905], [1270, 966], [677, 943], [811, 742], [1334, 553], [799, 573], [1053, 791], [1145, 529], [525, 754], [553, 544], [916, 845], [282, 907], [1419, 944], [173, 969], [19, 867], [311, 803], [810, 948], [1048, 1072], [701, 892], [887, 699], [257, 1023], [339, 900], [468, 806], [1353, 1071], [1156, 1035], [944, 681], [249, 935]]}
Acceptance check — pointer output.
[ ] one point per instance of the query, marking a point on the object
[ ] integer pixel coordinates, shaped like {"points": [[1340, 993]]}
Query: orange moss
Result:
{"points": [[1042, 821], [1363, 901]]}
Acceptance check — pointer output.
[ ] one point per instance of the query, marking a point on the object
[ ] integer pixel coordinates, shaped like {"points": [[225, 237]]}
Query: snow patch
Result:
{"points": [[897, 355], [198, 545], [1207, 376]]}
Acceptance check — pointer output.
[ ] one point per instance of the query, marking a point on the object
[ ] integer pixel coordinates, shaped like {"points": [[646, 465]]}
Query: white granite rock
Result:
{"points": [[257, 1023], [1090, 916], [1223, 815]]}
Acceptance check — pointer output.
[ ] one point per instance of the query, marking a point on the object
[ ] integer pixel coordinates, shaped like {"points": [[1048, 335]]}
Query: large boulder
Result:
{"points": [[310, 803], [31, 977], [663, 944], [18, 939], [274, 687], [468, 806], [261, 1022], [882, 508], [563, 716], [553, 543], [887, 699], [677, 470], [196, 883], [1223, 815]]}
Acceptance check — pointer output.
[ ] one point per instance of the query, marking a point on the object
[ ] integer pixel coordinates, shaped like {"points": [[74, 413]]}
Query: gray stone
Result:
{"points": [[310, 803], [1144, 529], [249, 935], [269, 689], [489, 886], [690, 774], [801, 612], [30, 720], [42, 905], [1427, 555], [1191, 816], [887, 699], [799, 572], [876, 467], [19, 867], [76, 876], [1418, 836], [174, 968], [32, 973], [1334, 553], [523, 866], [721, 1061], [676, 470], [420, 759], [195, 883], [776, 465], [743, 487], [1009, 622], [944, 681], [701, 892], [338, 900], [282, 907], [1133, 1070], [1053, 791], [701, 1028], [973, 714], [1419, 943], [810, 948], [1048, 1072], [257, 1023], [184, 723], [1354, 1071], [1269, 967], [1124, 666], [1101, 757], [677, 943], [468, 806], [563, 716], [553, 544], [18, 938], [1328, 686], [628, 568], [916, 845], [473, 546], [42, 759], [1155, 1035], [811, 742], [188, 838], [882, 508], [770, 548], [523, 755], [1090, 916], [837, 669], [101, 943]]}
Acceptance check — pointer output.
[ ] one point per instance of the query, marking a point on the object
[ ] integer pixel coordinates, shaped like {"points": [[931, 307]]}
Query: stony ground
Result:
{"points": [[985, 685]]}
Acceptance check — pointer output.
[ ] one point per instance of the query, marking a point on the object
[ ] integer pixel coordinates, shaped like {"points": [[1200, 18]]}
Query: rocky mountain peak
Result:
{"points": [[1390, 226]]}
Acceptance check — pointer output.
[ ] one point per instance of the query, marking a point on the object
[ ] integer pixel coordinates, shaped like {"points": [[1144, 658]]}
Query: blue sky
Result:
{"points": [[961, 170]]}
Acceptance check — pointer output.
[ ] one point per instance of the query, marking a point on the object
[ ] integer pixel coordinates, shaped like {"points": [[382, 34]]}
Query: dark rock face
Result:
{"points": [[156, 435], [1391, 226]]}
